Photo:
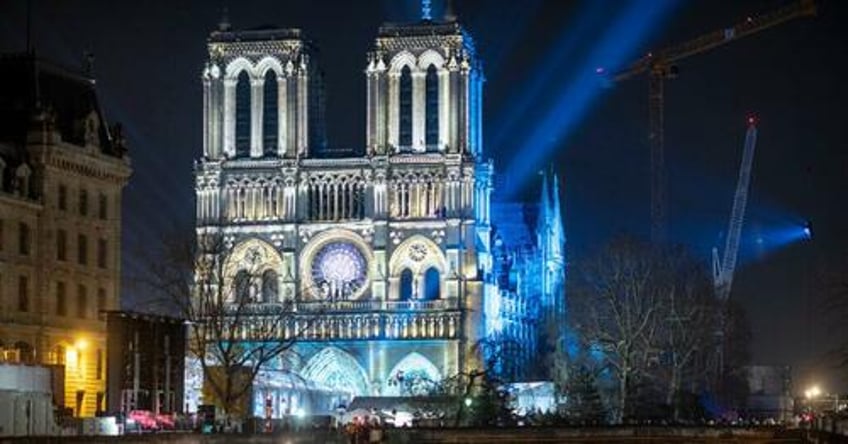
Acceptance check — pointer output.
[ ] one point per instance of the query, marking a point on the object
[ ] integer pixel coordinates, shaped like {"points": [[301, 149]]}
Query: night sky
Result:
{"points": [[149, 56]]}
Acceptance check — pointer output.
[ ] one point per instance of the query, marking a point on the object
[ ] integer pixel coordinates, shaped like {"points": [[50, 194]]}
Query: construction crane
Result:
{"points": [[660, 65], [723, 270]]}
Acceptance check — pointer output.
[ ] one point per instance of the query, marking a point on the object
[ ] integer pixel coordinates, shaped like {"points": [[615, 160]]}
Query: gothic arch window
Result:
{"points": [[243, 115], [432, 281], [241, 287], [269, 114], [405, 108], [269, 286], [431, 112], [405, 285]]}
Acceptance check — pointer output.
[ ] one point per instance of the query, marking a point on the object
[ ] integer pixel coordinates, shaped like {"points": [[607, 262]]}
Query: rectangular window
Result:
{"points": [[101, 299], [82, 301], [82, 249], [23, 293], [61, 299], [102, 207], [23, 239], [101, 252], [83, 202], [99, 371], [63, 197], [61, 245]]}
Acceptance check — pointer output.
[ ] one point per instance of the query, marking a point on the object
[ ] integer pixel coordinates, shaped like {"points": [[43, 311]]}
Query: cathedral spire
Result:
{"points": [[544, 209], [426, 10], [450, 15], [224, 25], [558, 230]]}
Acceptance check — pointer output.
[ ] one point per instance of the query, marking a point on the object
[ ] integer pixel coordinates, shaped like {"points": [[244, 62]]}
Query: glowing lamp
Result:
{"points": [[812, 392], [468, 402], [752, 120], [81, 344], [808, 230]]}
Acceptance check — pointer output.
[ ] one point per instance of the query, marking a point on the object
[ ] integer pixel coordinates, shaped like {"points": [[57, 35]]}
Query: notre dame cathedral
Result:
{"points": [[398, 247]]}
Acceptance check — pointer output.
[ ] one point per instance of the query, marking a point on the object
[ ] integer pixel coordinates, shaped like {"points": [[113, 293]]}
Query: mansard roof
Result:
{"points": [[29, 84]]}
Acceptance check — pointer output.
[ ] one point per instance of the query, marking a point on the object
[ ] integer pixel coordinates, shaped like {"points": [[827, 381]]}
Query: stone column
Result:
{"points": [[394, 111], [256, 107], [230, 117], [444, 108], [207, 148], [282, 115], [302, 112]]}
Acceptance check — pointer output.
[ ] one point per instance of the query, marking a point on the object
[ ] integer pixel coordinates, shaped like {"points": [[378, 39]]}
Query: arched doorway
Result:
{"points": [[414, 375], [336, 372]]}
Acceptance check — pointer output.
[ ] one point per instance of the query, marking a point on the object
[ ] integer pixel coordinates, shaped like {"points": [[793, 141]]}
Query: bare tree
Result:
{"points": [[617, 310], [237, 323], [691, 317]]}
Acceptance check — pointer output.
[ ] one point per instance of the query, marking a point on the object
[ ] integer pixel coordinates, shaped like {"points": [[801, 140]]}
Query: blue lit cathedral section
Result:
{"points": [[389, 247]]}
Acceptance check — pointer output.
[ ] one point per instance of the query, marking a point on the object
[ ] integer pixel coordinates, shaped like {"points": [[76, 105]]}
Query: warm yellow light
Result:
{"points": [[812, 392], [81, 344]]}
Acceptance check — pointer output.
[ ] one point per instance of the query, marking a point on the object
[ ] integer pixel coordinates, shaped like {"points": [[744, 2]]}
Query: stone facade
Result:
{"points": [[62, 171], [389, 246]]}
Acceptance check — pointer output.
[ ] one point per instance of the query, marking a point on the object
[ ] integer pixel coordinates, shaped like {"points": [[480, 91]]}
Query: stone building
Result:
{"points": [[388, 245], [62, 171]]}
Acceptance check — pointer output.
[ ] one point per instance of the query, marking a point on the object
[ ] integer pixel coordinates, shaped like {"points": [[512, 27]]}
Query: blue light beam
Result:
{"points": [[574, 99]]}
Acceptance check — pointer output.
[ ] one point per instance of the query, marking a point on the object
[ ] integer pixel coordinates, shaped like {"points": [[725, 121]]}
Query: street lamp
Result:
{"points": [[812, 392]]}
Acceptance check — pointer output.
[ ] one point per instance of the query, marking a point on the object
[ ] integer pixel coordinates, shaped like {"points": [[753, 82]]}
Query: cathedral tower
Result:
{"points": [[424, 90], [262, 95]]}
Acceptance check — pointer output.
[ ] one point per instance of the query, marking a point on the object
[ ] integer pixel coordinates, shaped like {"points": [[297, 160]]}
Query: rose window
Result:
{"points": [[339, 271]]}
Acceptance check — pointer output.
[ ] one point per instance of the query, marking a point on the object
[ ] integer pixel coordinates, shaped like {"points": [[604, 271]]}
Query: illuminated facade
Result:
{"points": [[62, 172], [389, 246]]}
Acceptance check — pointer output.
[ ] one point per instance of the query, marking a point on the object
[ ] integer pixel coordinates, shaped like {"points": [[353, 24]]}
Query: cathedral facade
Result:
{"points": [[389, 247]]}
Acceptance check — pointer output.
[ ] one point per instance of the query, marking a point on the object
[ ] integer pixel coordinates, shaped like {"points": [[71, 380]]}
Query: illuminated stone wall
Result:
{"points": [[390, 249]]}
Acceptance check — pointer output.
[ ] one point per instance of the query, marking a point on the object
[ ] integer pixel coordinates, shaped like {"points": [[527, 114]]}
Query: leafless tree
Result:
{"points": [[617, 309], [691, 318], [237, 323]]}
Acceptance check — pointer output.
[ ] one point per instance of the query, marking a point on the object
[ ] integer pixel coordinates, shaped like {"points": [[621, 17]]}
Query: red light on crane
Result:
{"points": [[752, 120]]}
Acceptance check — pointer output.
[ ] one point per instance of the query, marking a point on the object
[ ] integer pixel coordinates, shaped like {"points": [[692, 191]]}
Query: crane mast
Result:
{"points": [[723, 270]]}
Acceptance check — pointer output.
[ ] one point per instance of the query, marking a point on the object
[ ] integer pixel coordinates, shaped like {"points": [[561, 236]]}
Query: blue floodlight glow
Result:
{"points": [[772, 237], [565, 48], [577, 93]]}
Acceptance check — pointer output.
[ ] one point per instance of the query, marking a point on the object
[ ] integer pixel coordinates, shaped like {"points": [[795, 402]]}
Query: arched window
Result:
{"points": [[432, 109], [432, 282], [269, 114], [406, 285], [269, 286], [405, 111], [26, 353], [243, 115], [241, 286]]}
